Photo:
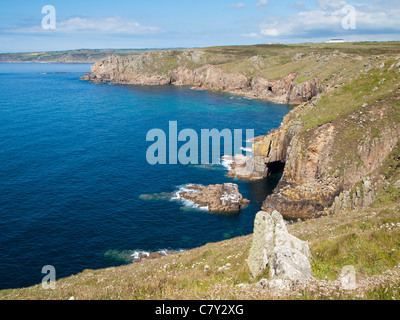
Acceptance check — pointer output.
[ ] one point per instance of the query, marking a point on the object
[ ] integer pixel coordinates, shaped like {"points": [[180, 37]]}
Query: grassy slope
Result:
{"points": [[308, 60], [331, 63], [367, 239]]}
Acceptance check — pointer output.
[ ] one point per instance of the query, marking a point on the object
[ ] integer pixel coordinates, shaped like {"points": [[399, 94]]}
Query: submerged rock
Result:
{"points": [[218, 198], [156, 196], [273, 246]]}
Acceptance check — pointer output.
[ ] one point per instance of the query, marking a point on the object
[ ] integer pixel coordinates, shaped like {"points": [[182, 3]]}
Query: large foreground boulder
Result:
{"points": [[286, 256]]}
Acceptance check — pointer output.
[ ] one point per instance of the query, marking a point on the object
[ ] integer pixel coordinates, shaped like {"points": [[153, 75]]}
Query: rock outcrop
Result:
{"points": [[324, 170], [286, 256], [218, 198], [190, 68], [361, 197]]}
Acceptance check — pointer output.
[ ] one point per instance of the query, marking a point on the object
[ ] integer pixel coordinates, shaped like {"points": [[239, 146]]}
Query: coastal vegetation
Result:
{"points": [[68, 56]]}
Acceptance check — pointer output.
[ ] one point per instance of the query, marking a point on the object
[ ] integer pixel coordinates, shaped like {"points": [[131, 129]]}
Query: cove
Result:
{"points": [[73, 169]]}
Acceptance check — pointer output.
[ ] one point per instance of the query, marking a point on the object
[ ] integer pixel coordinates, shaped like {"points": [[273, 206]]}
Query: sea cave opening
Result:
{"points": [[275, 167], [264, 187]]}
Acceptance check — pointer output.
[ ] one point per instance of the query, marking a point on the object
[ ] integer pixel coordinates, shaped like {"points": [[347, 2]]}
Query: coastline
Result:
{"points": [[340, 157]]}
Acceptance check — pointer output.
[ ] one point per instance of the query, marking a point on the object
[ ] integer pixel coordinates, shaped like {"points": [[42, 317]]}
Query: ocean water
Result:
{"points": [[76, 191]]}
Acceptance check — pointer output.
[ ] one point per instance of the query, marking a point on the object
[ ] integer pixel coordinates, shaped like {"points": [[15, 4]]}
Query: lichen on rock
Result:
{"points": [[287, 257]]}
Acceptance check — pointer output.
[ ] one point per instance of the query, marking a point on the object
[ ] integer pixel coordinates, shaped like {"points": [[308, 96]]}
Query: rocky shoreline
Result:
{"points": [[317, 180], [138, 70], [138, 256]]}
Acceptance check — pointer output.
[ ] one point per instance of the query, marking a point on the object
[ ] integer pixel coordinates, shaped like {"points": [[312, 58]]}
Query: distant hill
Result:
{"points": [[69, 56]]}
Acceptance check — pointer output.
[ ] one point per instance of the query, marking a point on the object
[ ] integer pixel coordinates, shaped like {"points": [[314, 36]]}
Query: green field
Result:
{"points": [[69, 56]]}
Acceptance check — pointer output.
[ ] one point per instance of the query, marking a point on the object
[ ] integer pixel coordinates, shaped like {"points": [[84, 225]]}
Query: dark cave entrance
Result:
{"points": [[275, 167], [262, 188]]}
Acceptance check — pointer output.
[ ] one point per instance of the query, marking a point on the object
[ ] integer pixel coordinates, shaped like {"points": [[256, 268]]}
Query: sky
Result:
{"points": [[138, 24]]}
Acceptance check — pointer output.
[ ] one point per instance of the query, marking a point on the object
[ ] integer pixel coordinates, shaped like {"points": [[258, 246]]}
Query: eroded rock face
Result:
{"points": [[170, 67], [208, 77], [287, 256], [318, 177], [243, 167], [218, 198], [361, 198]]}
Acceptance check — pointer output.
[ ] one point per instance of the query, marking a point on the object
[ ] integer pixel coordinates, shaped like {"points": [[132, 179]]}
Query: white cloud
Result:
{"points": [[262, 3], [107, 25], [325, 23], [272, 32], [237, 5]]}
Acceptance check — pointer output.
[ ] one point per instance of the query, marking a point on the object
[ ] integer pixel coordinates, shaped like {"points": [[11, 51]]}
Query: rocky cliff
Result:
{"points": [[331, 149], [345, 124], [191, 68]]}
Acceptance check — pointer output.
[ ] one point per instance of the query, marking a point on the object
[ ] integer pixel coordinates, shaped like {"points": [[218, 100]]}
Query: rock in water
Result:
{"points": [[219, 198], [287, 256]]}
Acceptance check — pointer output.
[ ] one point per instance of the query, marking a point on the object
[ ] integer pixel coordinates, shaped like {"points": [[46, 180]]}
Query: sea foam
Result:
{"points": [[187, 203]]}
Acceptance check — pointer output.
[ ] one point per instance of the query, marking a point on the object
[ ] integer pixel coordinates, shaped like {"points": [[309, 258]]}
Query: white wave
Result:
{"points": [[187, 203], [247, 149], [227, 164], [136, 254], [190, 204], [184, 188]]}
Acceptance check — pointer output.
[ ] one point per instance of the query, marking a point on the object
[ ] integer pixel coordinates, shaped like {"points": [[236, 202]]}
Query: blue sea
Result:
{"points": [[76, 191]]}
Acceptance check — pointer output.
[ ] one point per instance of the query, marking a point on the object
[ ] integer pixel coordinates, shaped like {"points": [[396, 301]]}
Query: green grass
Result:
{"points": [[350, 98], [82, 55]]}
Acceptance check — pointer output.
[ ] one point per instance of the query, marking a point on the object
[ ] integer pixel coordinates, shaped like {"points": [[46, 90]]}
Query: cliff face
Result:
{"points": [[168, 67], [127, 70], [346, 123], [333, 166]]}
